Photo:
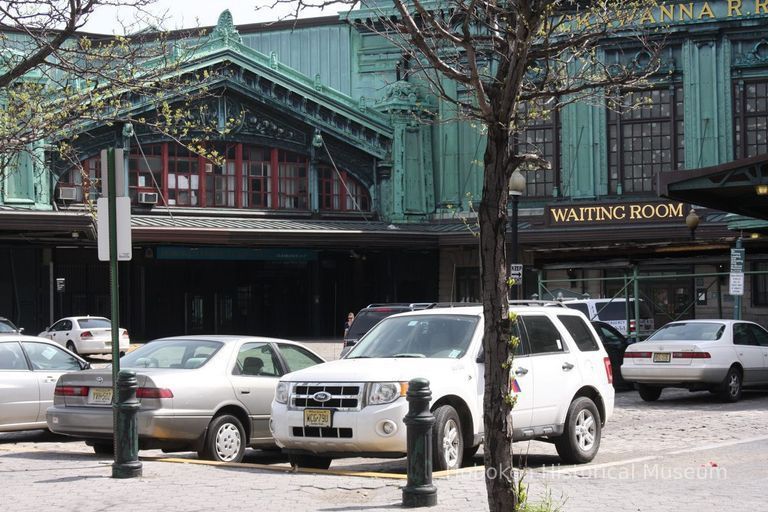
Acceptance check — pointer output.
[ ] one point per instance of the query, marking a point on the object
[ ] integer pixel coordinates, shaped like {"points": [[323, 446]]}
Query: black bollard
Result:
{"points": [[419, 492], [126, 437]]}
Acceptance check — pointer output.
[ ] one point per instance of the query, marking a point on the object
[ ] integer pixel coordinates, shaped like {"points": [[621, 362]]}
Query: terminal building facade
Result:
{"points": [[338, 188]]}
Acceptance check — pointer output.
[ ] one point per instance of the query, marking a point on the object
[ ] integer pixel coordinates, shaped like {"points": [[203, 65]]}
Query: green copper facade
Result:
{"points": [[427, 163]]}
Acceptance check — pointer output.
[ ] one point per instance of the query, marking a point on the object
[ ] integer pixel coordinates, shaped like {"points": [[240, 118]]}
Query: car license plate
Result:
{"points": [[100, 396], [317, 417], [662, 357]]}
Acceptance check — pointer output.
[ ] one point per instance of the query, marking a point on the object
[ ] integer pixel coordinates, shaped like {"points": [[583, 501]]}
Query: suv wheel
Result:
{"points": [[649, 393], [447, 441], [310, 461], [71, 347], [581, 438], [225, 440]]}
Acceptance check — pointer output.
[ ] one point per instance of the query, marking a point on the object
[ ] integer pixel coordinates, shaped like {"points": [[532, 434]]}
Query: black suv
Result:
{"points": [[370, 316], [7, 327]]}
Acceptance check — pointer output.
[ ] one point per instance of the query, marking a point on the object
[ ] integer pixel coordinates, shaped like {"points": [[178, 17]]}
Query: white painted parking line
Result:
{"points": [[715, 446], [591, 467], [595, 467]]}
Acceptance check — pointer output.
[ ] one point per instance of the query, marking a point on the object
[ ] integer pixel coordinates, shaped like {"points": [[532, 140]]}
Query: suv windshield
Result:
{"points": [[617, 310], [367, 319], [433, 336]]}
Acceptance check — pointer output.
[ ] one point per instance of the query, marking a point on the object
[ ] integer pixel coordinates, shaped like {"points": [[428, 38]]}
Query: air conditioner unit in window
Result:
{"points": [[68, 193], [148, 197]]}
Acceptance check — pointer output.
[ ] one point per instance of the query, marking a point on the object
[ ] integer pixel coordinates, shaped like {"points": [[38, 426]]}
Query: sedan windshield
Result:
{"points": [[6, 326], [187, 354], [94, 323], [433, 336], [689, 331]]}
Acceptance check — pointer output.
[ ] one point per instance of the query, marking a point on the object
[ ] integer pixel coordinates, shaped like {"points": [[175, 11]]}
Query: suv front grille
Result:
{"points": [[343, 433], [341, 397]]}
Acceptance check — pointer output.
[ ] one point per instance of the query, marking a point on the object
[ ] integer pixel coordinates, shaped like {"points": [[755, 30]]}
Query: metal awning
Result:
{"points": [[730, 187]]}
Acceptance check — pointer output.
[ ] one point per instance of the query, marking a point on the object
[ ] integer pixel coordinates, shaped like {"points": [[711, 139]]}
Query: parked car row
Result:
{"points": [[217, 395]]}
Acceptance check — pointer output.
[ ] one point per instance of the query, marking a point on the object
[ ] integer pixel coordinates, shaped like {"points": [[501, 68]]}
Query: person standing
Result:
{"points": [[348, 322]]}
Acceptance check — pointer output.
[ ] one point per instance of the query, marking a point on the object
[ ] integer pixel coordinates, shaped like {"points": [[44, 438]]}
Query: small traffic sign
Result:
{"points": [[737, 260], [516, 271]]}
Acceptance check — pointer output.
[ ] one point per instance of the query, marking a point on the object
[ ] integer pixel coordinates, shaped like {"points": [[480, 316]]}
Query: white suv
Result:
{"points": [[355, 406]]}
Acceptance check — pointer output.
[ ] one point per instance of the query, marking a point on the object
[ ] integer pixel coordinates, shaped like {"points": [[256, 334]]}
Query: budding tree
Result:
{"points": [[513, 60], [57, 81]]}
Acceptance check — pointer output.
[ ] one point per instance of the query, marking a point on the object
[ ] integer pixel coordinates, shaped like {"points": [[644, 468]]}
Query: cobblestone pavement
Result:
{"points": [[684, 453]]}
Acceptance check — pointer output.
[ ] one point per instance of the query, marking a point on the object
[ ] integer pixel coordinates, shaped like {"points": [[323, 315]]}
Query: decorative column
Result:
{"points": [[410, 187]]}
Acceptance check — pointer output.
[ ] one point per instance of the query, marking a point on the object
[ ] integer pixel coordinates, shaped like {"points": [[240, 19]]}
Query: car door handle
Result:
{"points": [[521, 371], [50, 379], [244, 391], [567, 366]]}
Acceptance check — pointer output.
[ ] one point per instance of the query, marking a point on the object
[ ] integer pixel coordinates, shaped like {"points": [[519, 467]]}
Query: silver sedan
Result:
{"points": [[210, 394], [29, 369]]}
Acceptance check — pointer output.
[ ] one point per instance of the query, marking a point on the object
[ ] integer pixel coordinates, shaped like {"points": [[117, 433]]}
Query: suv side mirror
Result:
{"points": [[480, 357], [21, 330]]}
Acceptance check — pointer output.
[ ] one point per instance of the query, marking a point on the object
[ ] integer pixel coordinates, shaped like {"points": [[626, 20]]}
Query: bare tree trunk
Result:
{"points": [[500, 481]]}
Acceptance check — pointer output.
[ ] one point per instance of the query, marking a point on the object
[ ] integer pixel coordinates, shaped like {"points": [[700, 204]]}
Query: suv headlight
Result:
{"points": [[282, 391], [386, 392]]}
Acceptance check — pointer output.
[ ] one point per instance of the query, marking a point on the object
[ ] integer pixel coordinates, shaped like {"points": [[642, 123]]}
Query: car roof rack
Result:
{"points": [[412, 305], [531, 302], [453, 305]]}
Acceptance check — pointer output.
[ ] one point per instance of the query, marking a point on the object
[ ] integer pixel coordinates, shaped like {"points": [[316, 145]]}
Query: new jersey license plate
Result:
{"points": [[100, 396], [317, 417], [662, 357]]}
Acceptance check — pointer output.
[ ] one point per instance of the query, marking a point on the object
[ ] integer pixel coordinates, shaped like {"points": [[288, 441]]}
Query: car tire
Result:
{"points": [[730, 389], [649, 393], [447, 439], [107, 448], [581, 437], [310, 461], [71, 347], [224, 440]]}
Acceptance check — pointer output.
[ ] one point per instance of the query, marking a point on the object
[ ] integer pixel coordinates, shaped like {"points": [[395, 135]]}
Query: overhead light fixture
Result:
{"points": [[761, 190], [754, 235]]}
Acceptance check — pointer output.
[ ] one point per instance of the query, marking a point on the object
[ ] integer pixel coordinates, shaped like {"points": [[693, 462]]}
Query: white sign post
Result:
{"points": [[123, 217]]}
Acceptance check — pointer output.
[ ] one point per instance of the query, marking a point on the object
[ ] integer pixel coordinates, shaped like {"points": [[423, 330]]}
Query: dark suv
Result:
{"points": [[6, 327], [370, 316]]}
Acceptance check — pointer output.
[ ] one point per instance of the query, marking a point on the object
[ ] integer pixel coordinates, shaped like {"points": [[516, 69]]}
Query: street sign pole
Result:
{"points": [[113, 277], [125, 439]]}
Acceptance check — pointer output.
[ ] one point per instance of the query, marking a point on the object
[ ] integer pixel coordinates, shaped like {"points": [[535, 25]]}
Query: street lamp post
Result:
{"points": [[692, 221], [516, 188]]}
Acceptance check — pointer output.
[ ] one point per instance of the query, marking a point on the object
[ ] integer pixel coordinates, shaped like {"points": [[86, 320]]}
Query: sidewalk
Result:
{"points": [[58, 476]]}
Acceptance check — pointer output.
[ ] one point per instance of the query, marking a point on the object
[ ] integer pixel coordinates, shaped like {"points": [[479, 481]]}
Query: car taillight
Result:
{"points": [[637, 355], [691, 355], [71, 391], [154, 393], [608, 369], [632, 326], [86, 334]]}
